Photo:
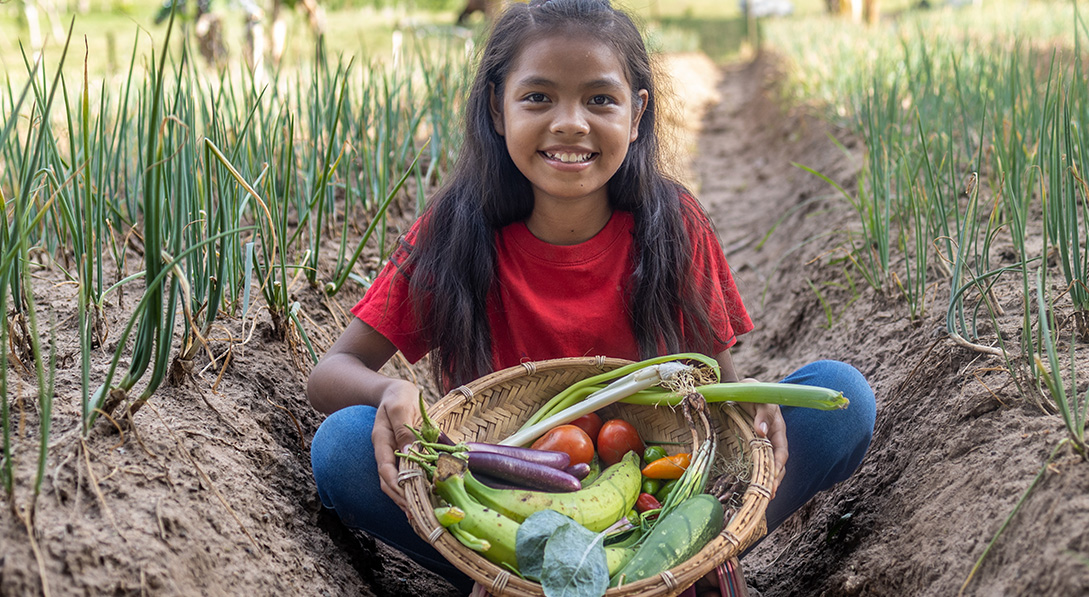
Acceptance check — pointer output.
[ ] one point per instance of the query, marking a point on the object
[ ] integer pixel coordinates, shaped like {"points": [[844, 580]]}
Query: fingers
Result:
{"points": [[382, 438], [770, 424], [388, 436], [391, 488]]}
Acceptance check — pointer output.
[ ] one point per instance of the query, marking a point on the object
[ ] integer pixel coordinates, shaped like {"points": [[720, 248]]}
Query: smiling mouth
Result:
{"points": [[570, 158]]}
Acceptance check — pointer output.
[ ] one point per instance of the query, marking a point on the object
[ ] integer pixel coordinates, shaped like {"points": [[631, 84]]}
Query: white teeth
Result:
{"points": [[571, 158]]}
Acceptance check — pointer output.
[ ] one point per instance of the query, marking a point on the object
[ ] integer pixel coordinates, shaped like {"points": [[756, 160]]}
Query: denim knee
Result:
{"points": [[342, 460], [826, 447]]}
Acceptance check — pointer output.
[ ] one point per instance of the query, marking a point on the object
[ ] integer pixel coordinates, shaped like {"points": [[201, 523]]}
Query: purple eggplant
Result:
{"points": [[578, 471], [522, 472], [558, 460], [494, 483]]}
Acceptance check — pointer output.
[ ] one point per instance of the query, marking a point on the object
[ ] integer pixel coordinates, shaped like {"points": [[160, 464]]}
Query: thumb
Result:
{"points": [[403, 434]]}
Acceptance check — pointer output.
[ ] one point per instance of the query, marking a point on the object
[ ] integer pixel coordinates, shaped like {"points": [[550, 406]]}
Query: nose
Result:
{"points": [[570, 119]]}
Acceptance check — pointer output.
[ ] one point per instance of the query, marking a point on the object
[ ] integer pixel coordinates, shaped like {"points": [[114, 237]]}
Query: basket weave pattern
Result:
{"points": [[494, 406]]}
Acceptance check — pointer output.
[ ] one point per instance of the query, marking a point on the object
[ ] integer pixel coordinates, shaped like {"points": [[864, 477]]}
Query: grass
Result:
{"points": [[952, 103], [228, 186]]}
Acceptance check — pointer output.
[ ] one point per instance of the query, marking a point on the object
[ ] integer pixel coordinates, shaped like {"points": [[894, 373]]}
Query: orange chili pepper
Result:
{"points": [[669, 467]]}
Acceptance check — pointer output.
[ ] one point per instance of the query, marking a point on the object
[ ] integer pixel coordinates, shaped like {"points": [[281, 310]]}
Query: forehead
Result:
{"points": [[567, 58]]}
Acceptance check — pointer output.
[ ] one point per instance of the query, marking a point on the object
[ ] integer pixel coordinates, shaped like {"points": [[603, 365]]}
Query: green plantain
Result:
{"points": [[596, 506], [617, 557], [482, 529]]}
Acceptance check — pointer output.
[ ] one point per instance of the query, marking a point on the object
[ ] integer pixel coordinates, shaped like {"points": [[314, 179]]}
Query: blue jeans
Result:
{"points": [[825, 448]]}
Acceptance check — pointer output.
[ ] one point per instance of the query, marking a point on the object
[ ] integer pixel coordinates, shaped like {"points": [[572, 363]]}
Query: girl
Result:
{"points": [[557, 235]]}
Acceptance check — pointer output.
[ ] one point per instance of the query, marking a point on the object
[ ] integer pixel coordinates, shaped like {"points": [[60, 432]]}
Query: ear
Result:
{"points": [[495, 106], [637, 114]]}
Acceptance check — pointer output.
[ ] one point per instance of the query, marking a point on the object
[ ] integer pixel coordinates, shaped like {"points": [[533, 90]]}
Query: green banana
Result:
{"points": [[480, 526], [596, 506]]}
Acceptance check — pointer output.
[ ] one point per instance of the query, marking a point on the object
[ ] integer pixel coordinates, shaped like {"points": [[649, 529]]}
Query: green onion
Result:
{"points": [[579, 390], [639, 379], [784, 394]]}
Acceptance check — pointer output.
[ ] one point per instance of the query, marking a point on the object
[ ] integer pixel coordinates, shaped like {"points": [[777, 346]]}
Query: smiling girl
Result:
{"points": [[556, 235]]}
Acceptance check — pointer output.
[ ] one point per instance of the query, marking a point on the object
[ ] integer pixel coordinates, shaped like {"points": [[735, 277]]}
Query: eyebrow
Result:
{"points": [[602, 83]]}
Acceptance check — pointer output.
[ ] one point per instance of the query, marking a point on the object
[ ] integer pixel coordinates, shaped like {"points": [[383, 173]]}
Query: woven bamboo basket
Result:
{"points": [[494, 406]]}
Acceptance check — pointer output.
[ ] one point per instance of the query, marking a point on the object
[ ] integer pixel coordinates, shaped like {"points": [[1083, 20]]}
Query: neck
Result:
{"points": [[568, 224]]}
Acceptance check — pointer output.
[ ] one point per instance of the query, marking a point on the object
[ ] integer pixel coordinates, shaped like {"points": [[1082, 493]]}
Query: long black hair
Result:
{"points": [[453, 260]]}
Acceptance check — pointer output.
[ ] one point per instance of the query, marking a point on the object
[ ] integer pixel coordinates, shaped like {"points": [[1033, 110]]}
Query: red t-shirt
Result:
{"points": [[561, 301]]}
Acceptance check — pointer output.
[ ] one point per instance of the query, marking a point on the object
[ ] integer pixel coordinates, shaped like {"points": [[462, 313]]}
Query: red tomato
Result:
{"points": [[590, 423], [616, 439], [570, 439]]}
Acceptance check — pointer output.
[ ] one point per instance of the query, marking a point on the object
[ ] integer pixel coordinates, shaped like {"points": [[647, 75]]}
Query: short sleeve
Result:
{"points": [[725, 309], [387, 306]]}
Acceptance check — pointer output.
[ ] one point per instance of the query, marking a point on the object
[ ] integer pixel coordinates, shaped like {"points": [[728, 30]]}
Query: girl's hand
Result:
{"points": [[767, 419], [397, 409], [347, 375], [769, 423]]}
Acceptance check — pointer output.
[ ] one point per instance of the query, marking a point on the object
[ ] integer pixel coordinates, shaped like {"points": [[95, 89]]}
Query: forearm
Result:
{"points": [[726, 370], [347, 374], [341, 379]]}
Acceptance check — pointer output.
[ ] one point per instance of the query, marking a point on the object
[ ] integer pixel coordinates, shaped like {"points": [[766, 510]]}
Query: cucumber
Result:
{"points": [[678, 536]]}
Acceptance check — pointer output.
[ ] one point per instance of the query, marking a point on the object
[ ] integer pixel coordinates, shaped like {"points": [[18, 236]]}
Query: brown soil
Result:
{"points": [[207, 490]]}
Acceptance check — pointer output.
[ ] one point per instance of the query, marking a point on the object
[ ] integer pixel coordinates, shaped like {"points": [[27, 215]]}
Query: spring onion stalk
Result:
{"points": [[318, 192], [784, 394], [105, 390], [6, 239], [1073, 414], [342, 275], [626, 386], [577, 389], [694, 478]]}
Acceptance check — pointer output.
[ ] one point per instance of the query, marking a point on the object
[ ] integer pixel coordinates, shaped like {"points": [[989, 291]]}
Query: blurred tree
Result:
{"points": [[858, 10], [207, 27], [31, 12], [315, 16]]}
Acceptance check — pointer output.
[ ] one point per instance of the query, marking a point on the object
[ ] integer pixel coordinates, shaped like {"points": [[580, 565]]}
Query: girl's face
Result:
{"points": [[567, 114]]}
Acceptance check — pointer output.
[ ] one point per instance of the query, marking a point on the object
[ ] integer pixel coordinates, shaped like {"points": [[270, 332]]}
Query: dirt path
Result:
{"points": [[955, 445]]}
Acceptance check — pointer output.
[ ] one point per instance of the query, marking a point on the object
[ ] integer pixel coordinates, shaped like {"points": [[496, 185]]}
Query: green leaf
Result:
{"points": [[574, 563], [534, 532]]}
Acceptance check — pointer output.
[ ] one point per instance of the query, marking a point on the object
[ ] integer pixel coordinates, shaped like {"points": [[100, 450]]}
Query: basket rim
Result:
{"points": [[742, 529]]}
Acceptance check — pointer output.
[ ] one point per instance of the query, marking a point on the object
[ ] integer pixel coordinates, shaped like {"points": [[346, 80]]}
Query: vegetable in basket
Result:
{"points": [[616, 438], [584, 397], [496, 533], [596, 506], [668, 467], [570, 440], [675, 538], [554, 459], [522, 472]]}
